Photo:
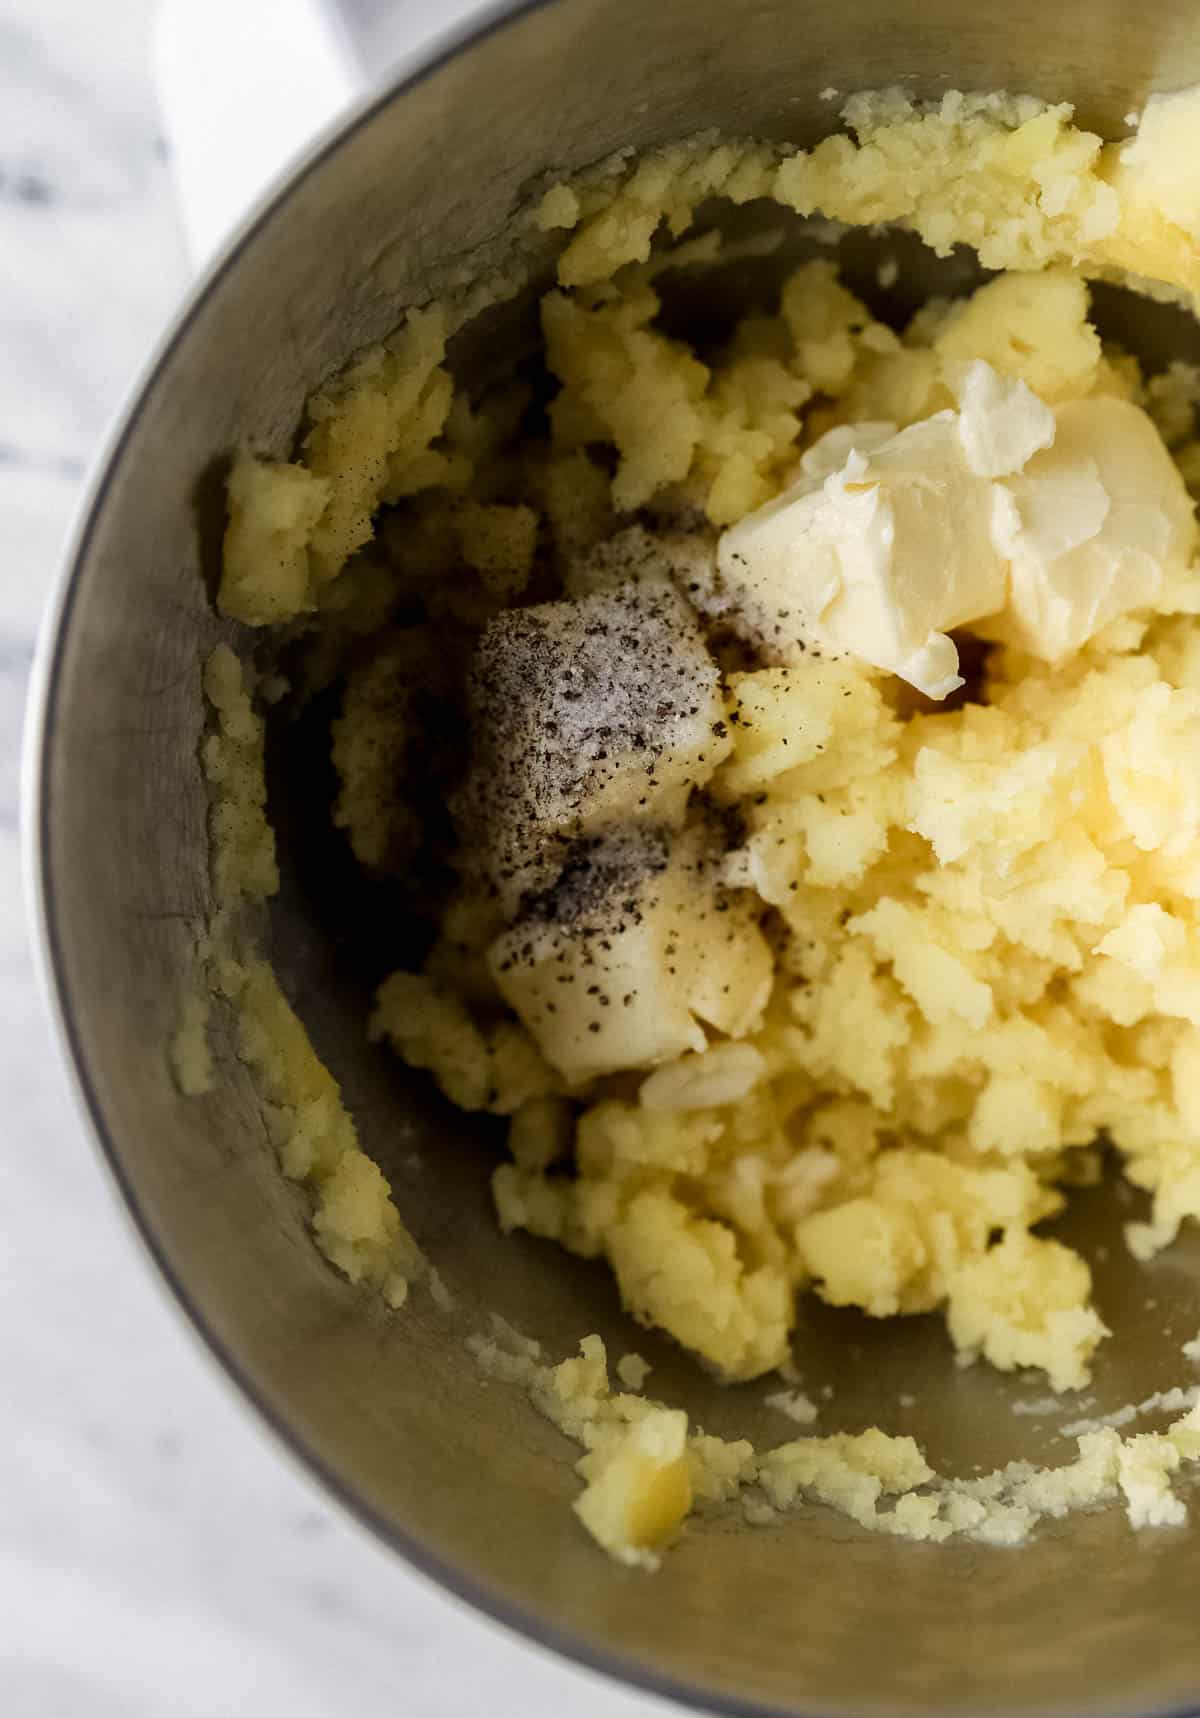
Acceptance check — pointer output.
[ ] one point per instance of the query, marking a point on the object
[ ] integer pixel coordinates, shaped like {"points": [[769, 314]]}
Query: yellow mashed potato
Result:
{"points": [[964, 939]]}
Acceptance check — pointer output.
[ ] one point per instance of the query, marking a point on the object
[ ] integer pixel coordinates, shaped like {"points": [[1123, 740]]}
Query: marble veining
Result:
{"points": [[159, 1557]]}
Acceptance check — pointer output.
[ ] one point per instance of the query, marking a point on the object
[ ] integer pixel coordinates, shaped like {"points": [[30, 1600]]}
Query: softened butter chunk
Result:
{"points": [[636, 945], [584, 715], [880, 559], [1098, 522], [1158, 164], [1060, 520], [1001, 421]]}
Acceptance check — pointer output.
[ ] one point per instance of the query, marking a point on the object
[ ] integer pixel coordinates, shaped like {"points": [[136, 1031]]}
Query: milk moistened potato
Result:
{"points": [[790, 749]]}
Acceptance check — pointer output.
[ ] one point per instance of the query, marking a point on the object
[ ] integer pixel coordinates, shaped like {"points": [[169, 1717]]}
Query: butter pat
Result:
{"points": [[1093, 526], [880, 559], [829, 453], [1158, 161], [1057, 520], [1001, 422], [629, 957]]}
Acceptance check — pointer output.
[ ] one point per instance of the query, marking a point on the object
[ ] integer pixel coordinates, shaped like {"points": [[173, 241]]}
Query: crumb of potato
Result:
{"points": [[633, 1371], [645, 1469]]}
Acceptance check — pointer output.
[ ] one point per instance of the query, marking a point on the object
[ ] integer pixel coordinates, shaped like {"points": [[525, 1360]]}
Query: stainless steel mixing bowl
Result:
{"points": [[461, 1478]]}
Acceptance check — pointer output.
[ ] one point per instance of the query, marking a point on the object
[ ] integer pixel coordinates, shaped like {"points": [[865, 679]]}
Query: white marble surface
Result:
{"points": [[158, 1557]]}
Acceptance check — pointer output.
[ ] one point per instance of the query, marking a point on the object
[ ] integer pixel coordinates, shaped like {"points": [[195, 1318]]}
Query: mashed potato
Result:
{"points": [[811, 982]]}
